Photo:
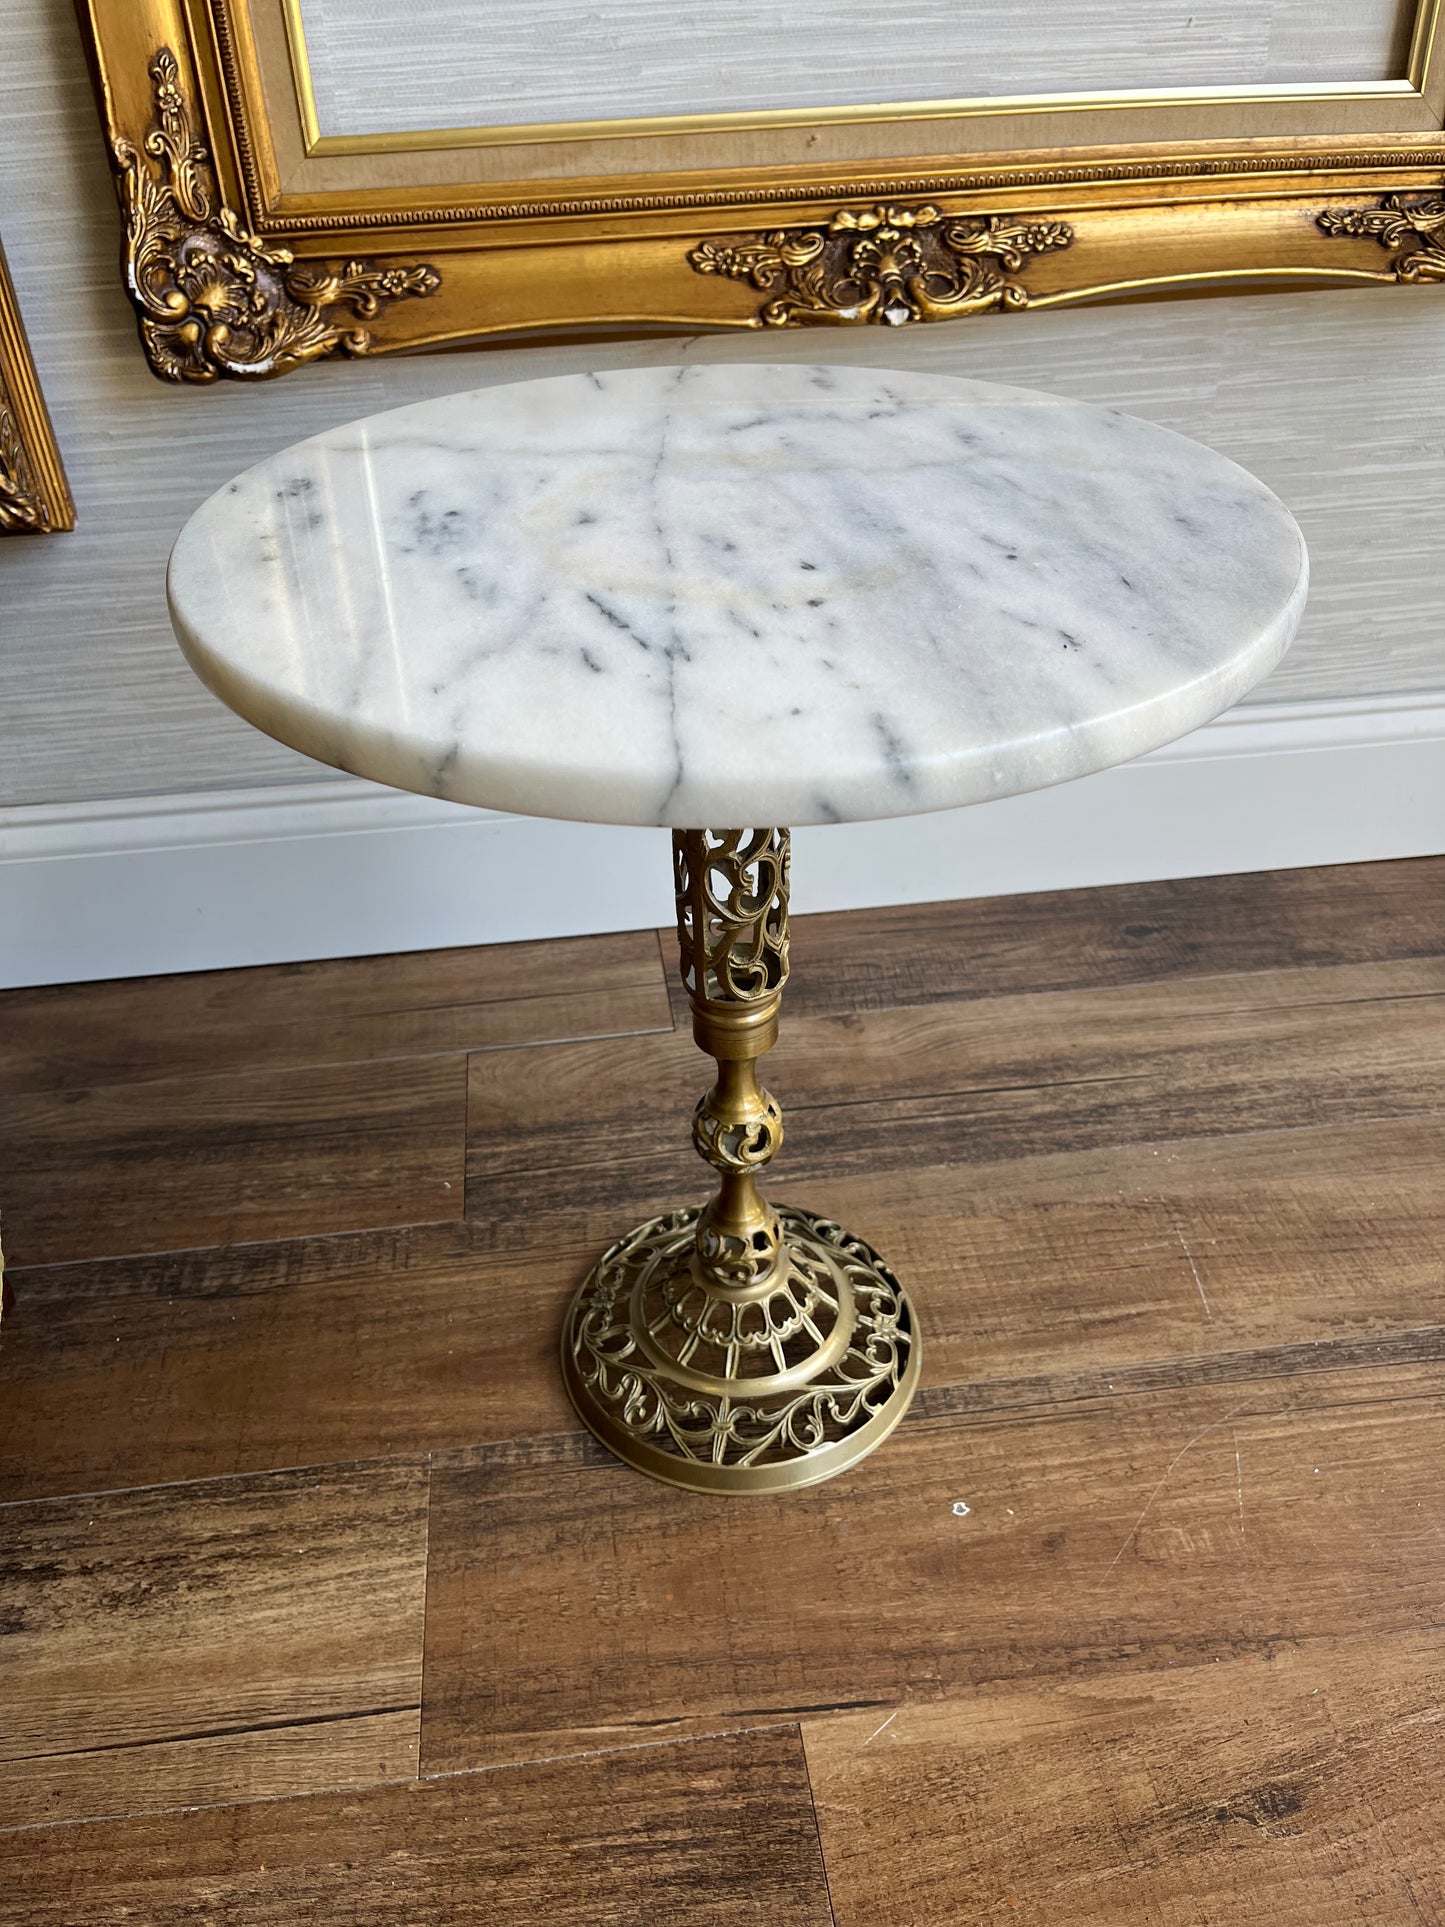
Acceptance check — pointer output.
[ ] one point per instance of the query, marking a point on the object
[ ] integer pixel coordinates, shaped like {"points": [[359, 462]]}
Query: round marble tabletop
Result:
{"points": [[730, 594]]}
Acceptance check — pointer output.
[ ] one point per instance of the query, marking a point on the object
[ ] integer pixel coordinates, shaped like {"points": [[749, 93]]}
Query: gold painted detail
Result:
{"points": [[34, 495], [213, 299], [772, 1391], [1194, 190], [1413, 231], [886, 265], [22, 507], [1244, 167]]}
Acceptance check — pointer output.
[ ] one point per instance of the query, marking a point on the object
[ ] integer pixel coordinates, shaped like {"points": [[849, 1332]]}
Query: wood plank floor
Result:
{"points": [[315, 1604]]}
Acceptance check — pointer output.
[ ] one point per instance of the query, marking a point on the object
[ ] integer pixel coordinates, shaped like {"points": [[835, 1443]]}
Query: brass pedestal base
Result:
{"points": [[755, 1388], [739, 1346]]}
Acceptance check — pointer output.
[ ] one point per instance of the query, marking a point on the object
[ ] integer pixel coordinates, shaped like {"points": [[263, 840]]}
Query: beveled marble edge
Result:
{"points": [[450, 766]]}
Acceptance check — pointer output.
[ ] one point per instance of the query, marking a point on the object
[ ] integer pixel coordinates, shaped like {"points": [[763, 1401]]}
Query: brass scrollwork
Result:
{"points": [[1397, 223], [788, 1387], [886, 265], [214, 299], [732, 928], [738, 1143], [732, 912], [739, 1346]]}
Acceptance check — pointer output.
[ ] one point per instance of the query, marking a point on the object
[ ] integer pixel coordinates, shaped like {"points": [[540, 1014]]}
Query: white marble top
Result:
{"points": [[733, 594]]}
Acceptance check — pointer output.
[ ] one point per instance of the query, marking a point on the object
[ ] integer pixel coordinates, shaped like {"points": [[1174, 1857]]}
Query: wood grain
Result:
{"points": [[352, 1010], [209, 1161], [572, 1605], [301, 1353], [1191, 1247], [1133, 933], [1294, 1787], [268, 1613], [1162, 1172], [257, 1763], [970, 1083], [440, 1336], [719, 1833]]}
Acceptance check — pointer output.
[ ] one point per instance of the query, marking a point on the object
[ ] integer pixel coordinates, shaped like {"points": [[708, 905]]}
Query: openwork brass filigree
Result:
{"points": [[1413, 230], [732, 912], [732, 927], [213, 299], [886, 265], [737, 1346], [755, 1396]]}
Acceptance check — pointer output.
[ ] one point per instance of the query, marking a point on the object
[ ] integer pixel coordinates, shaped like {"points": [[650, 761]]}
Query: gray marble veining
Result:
{"points": [[736, 593]]}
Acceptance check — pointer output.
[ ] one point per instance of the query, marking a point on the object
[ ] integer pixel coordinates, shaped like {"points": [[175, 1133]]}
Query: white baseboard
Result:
{"points": [[336, 868]]}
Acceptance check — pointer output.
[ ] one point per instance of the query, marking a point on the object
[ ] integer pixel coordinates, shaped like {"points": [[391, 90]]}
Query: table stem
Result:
{"points": [[732, 927], [739, 1346]]}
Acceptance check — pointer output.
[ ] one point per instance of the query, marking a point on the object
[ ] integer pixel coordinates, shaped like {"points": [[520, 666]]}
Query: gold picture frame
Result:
{"points": [[35, 497], [255, 242]]}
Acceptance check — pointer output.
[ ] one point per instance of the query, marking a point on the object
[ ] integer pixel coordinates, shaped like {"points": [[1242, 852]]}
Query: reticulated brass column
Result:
{"points": [[732, 930], [739, 1346]]}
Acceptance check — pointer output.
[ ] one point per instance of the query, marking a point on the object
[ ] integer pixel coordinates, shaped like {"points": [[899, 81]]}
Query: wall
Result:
{"points": [[654, 57], [1336, 399]]}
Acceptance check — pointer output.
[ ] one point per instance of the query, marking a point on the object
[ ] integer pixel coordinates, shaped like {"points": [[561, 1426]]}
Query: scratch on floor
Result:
{"points": [[1213, 1426], [882, 1729], [1239, 1481], [1194, 1272]]}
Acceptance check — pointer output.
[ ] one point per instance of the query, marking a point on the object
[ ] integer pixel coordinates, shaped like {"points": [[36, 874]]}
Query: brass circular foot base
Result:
{"points": [[760, 1389]]}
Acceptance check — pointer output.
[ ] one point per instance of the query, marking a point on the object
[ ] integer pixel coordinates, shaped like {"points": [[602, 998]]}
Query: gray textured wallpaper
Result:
{"points": [[541, 60]]}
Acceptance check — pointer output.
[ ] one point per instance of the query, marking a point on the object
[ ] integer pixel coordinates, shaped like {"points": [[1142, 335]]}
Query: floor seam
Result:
{"points": [[817, 1826]]}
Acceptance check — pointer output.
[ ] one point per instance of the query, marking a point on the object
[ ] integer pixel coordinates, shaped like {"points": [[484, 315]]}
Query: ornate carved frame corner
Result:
{"points": [[247, 253], [214, 299], [35, 497]]}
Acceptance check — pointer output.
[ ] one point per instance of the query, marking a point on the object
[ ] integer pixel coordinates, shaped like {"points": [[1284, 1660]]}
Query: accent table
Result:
{"points": [[722, 594]]}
